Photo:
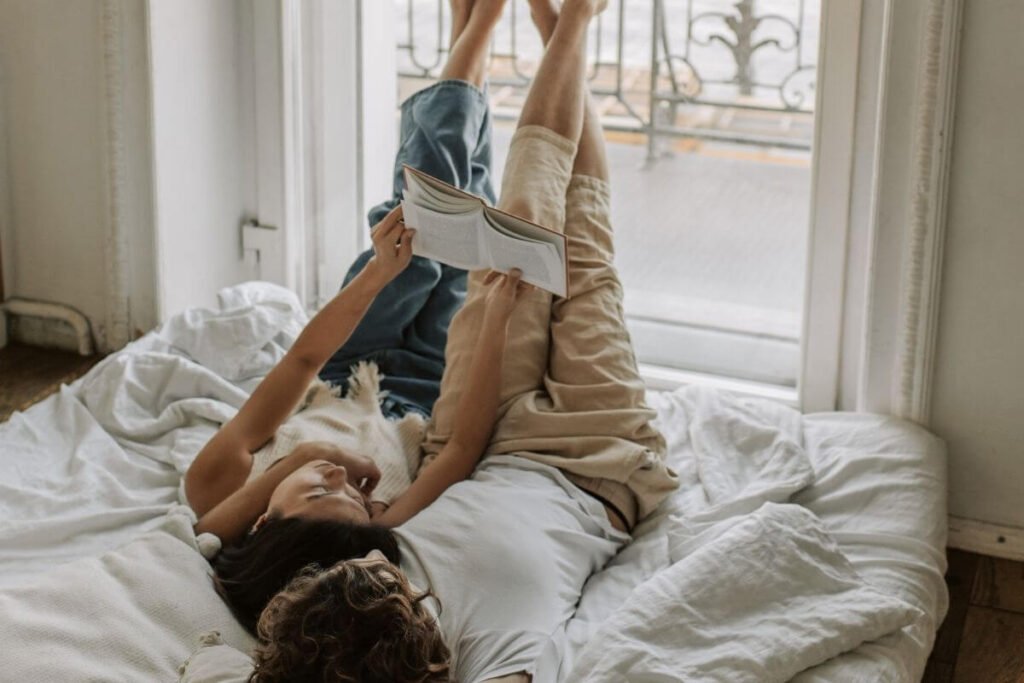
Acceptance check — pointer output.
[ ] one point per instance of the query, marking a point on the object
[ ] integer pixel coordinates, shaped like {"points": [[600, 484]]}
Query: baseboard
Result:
{"points": [[986, 539]]}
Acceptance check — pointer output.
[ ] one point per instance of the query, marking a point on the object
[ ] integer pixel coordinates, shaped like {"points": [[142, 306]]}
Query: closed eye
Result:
{"points": [[318, 491]]}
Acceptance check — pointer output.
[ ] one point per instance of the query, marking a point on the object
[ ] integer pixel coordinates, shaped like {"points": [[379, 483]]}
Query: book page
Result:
{"points": [[442, 186], [435, 200], [538, 260], [554, 252], [460, 229], [453, 239], [435, 195]]}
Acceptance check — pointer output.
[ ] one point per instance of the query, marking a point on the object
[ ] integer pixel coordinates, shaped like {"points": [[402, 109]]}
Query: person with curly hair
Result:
{"points": [[495, 549], [371, 626]]}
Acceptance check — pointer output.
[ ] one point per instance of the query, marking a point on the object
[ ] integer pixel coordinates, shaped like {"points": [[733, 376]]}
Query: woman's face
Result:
{"points": [[320, 490]]}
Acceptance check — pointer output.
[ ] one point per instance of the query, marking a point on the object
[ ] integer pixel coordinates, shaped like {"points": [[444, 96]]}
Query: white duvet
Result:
{"points": [[845, 514]]}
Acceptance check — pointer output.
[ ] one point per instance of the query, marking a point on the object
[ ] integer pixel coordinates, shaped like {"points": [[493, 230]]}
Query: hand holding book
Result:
{"points": [[505, 291], [392, 247]]}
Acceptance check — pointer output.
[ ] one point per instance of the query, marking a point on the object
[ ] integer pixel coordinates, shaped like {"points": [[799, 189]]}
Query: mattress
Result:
{"points": [[89, 486]]}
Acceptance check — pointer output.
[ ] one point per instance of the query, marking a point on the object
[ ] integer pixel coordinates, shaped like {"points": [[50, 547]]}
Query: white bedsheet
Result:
{"points": [[756, 598], [89, 468]]}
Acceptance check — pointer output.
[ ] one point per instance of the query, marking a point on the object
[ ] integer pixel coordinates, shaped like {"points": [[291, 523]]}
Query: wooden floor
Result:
{"points": [[981, 641], [28, 375]]}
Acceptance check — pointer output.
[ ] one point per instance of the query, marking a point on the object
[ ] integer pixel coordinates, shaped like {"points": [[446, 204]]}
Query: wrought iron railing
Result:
{"points": [[739, 71]]}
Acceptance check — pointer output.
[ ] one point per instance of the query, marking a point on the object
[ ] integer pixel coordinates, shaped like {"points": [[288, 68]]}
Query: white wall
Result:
{"points": [[188, 170], [202, 147], [978, 401], [188, 134], [51, 58]]}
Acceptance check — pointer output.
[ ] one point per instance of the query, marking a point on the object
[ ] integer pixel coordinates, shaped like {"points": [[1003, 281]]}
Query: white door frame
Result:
{"points": [[915, 123], [872, 290], [321, 86], [274, 105], [831, 193]]}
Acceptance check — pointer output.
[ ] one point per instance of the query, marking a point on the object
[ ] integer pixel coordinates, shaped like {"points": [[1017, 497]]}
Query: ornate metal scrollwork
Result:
{"points": [[717, 54], [798, 90], [744, 34]]}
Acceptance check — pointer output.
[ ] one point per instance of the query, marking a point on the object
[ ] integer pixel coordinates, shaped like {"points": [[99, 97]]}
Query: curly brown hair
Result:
{"points": [[358, 622]]}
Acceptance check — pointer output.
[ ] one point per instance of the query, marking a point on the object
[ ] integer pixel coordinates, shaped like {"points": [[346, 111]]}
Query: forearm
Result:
{"points": [[477, 410], [331, 327], [281, 390], [478, 405]]}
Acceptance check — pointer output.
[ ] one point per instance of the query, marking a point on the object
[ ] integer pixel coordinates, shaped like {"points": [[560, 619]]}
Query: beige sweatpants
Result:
{"points": [[571, 395]]}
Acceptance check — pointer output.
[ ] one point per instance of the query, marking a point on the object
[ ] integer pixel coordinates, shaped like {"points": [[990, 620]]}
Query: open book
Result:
{"points": [[461, 230]]}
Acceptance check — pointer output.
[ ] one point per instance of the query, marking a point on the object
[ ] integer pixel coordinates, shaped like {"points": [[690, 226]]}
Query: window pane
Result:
{"points": [[710, 148]]}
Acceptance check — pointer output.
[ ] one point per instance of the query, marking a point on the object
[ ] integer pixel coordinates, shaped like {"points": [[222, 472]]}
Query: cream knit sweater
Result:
{"points": [[354, 423]]}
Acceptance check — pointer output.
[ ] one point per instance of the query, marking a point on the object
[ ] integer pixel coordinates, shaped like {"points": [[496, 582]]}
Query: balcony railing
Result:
{"points": [[736, 71]]}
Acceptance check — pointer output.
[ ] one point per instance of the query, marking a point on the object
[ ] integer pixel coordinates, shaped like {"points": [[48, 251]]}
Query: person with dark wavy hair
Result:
{"points": [[496, 549], [248, 574]]}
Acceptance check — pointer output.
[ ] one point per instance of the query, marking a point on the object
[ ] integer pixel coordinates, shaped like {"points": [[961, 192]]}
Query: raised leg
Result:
{"points": [[535, 181], [467, 57], [460, 10], [591, 158], [592, 421], [446, 132]]}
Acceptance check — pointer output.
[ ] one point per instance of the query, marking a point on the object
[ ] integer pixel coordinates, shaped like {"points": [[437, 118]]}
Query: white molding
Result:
{"points": [[294, 149], [923, 261], [270, 125], [117, 328], [319, 87], [831, 193], [377, 88], [987, 539], [660, 378], [330, 50], [744, 357], [912, 159]]}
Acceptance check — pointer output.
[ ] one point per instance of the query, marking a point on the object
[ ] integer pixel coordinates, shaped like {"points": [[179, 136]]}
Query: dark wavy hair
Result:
{"points": [[357, 622], [249, 573]]}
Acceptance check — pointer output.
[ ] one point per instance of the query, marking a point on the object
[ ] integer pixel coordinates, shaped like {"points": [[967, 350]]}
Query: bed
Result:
{"points": [[101, 577]]}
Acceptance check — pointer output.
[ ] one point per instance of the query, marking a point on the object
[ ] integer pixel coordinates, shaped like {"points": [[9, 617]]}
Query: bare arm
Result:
{"points": [[477, 409], [223, 464], [233, 516]]}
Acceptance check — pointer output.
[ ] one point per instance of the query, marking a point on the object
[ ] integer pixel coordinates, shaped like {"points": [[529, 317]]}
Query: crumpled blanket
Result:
{"points": [[88, 469], [756, 598], [742, 586]]}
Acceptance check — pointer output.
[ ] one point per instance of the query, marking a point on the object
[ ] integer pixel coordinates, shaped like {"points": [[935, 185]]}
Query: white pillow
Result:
{"points": [[132, 614]]}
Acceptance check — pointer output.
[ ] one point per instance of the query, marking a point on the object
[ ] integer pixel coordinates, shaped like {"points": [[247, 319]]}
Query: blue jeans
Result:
{"points": [[446, 132]]}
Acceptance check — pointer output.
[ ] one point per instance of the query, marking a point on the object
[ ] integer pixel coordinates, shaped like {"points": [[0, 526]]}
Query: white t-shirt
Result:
{"points": [[507, 554]]}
